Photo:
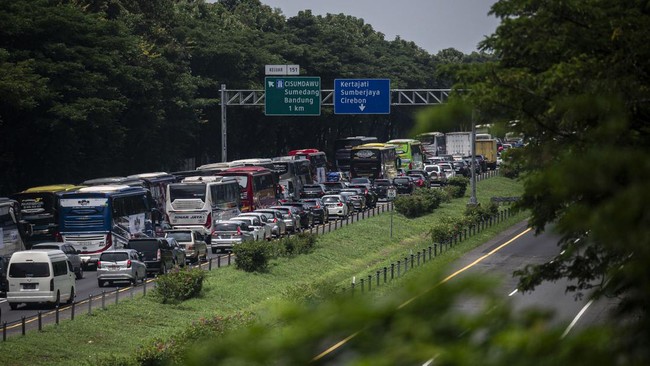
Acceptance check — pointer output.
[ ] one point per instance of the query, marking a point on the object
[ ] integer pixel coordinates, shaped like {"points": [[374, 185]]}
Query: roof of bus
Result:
{"points": [[223, 165], [403, 141], [151, 175], [374, 145], [245, 169], [304, 152], [114, 188], [52, 188]]}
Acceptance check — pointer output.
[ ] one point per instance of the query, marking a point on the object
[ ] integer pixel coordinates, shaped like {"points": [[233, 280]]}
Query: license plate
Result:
{"points": [[224, 236], [114, 268], [29, 286]]}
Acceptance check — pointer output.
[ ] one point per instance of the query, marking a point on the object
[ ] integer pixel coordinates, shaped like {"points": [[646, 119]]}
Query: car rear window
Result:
{"points": [[180, 236], [31, 269], [382, 183], [313, 188], [46, 246], [114, 257], [401, 180], [226, 227], [330, 200], [146, 246]]}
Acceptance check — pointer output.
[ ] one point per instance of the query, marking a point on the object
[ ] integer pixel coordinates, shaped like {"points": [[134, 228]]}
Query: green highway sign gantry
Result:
{"points": [[292, 96]]}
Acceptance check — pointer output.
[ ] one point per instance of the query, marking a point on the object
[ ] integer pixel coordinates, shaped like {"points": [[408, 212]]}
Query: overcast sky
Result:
{"points": [[432, 24]]}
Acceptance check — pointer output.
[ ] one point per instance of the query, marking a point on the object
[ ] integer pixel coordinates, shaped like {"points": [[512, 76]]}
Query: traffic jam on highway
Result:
{"points": [[65, 241]]}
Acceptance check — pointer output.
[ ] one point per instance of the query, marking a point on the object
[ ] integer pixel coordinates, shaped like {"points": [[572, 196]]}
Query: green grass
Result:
{"points": [[357, 250]]}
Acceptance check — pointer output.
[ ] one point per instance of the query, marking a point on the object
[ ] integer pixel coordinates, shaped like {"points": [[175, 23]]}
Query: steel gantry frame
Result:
{"points": [[247, 97]]}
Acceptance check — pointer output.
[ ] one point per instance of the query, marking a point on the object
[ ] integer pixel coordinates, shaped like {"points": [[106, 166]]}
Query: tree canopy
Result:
{"points": [[96, 88]]}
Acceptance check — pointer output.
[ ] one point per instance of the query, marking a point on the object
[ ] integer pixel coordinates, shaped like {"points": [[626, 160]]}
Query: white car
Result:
{"points": [[448, 169], [336, 205], [261, 231], [268, 225]]}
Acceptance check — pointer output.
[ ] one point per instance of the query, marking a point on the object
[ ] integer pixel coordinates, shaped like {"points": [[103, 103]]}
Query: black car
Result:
{"points": [[371, 196], [4, 264], [420, 179], [312, 191], [321, 214], [306, 215], [404, 185], [158, 254], [381, 187], [461, 168]]}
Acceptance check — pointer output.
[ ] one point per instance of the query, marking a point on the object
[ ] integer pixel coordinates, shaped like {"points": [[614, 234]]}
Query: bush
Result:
{"points": [[446, 229], [179, 285], [478, 213], [253, 256], [460, 183], [421, 202], [302, 243]]}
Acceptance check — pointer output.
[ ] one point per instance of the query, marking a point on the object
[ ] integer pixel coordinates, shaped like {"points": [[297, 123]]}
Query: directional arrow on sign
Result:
{"points": [[361, 96], [362, 107]]}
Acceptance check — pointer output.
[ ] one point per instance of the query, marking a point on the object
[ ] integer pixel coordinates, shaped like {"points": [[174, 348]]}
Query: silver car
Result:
{"points": [[120, 265], [276, 217], [228, 233], [70, 252], [261, 230]]}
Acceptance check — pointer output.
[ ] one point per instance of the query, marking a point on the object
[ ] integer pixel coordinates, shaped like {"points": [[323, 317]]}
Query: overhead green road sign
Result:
{"points": [[292, 96]]}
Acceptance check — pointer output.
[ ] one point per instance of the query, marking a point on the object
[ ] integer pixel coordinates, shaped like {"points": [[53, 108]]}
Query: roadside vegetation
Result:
{"points": [[146, 331]]}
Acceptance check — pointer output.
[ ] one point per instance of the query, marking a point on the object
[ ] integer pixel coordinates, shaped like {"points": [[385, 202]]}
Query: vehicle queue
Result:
{"points": [[212, 208]]}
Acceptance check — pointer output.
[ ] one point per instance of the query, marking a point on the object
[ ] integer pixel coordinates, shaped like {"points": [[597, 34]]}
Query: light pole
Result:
{"points": [[472, 199]]}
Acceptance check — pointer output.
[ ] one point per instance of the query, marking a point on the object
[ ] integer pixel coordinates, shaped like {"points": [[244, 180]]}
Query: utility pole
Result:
{"points": [[472, 199]]}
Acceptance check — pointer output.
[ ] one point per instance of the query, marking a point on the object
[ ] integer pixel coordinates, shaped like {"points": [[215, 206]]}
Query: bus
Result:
{"points": [[409, 152], [257, 185], [317, 160], [293, 174], [38, 206], [157, 184], [94, 219], [433, 143], [342, 149], [199, 202], [12, 229], [374, 161]]}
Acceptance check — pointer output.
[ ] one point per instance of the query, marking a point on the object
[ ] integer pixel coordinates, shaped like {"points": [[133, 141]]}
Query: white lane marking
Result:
{"points": [[4, 300], [575, 320], [513, 292]]}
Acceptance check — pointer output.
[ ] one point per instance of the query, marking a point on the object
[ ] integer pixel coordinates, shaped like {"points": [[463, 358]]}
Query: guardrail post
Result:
{"points": [[385, 274], [418, 259], [210, 264], [424, 256], [412, 256], [72, 310], [399, 268], [90, 301], [378, 273], [4, 331], [430, 252], [229, 254], [144, 290], [56, 315], [40, 321], [435, 249], [22, 322], [406, 264], [392, 271]]}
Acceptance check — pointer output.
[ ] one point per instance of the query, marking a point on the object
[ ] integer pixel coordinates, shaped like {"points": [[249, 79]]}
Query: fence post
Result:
{"points": [[229, 254], [392, 271], [117, 295], [418, 259], [22, 322], [40, 321], [90, 301], [72, 311], [378, 273], [210, 264], [4, 331], [399, 268], [103, 300], [56, 315], [406, 264], [369, 283], [435, 249], [352, 287], [429, 252], [424, 255], [385, 274], [363, 288]]}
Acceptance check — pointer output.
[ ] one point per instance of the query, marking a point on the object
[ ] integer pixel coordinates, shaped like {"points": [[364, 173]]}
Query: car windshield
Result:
{"points": [[331, 199], [30, 269], [114, 257], [226, 226], [145, 246], [180, 235]]}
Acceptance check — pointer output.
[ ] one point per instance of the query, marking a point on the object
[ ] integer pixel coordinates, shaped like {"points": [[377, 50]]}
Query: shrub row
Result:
{"points": [[457, 186], [254, 256], [179, 284]]}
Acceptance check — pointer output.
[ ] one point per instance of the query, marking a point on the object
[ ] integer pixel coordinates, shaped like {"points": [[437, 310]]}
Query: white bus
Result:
{"points": [[199, 202]]}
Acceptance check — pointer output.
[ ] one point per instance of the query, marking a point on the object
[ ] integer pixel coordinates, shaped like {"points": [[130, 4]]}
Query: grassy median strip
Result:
{"points": [[356, 250]]}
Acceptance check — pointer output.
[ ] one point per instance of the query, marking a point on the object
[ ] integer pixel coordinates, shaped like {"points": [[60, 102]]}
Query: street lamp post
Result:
{"points": [[472, 199]]}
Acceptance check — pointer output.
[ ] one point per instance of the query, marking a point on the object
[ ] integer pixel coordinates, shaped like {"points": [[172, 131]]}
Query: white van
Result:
{"points": [[40, 276]]}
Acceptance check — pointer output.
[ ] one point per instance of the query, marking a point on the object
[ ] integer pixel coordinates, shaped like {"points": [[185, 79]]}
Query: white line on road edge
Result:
{"points": [[4, 300], [513, 292], [575, 320]]}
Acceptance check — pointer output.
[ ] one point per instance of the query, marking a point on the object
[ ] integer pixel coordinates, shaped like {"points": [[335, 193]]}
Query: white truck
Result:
{"points": [[459, 143]]}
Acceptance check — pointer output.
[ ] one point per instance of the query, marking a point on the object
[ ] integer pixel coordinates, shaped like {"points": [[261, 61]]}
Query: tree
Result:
{"points": [[575, 77]]}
